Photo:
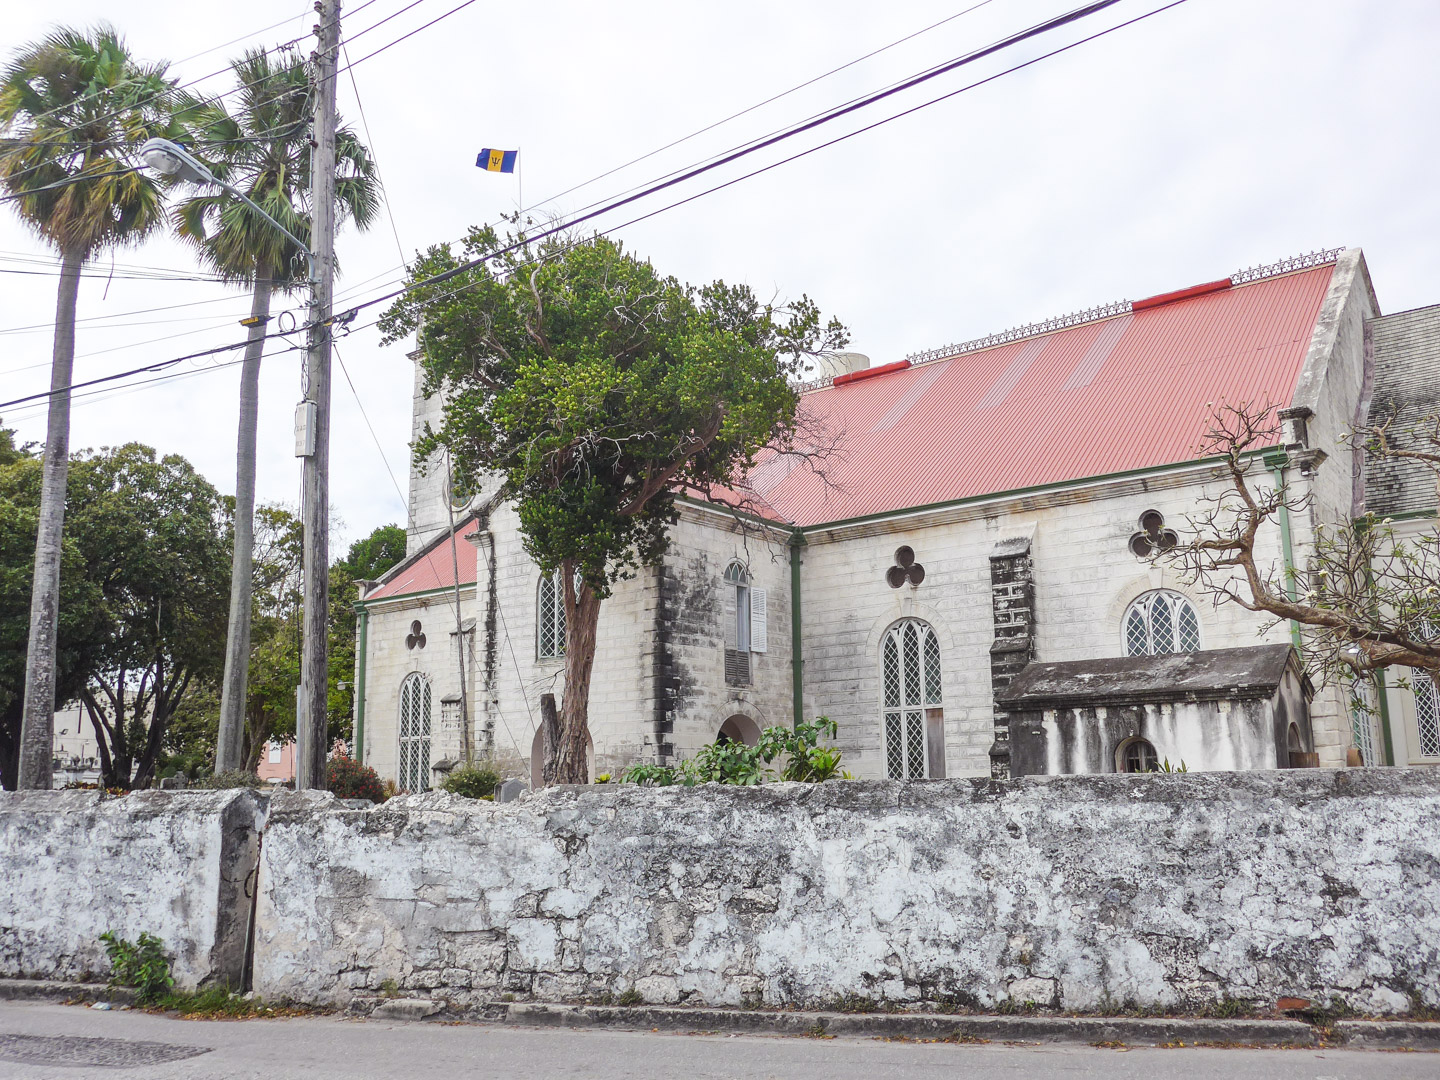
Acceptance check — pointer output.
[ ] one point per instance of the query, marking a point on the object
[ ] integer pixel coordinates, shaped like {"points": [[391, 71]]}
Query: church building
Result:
{"points": [[964, 583]]}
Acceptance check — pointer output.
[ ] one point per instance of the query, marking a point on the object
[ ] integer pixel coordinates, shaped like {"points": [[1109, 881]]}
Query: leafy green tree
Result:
{"points": [[598, 389], [142, 601], [156, 540], [371, 556], [275, 648], [74, 110], [263, 149], [81, 626]]}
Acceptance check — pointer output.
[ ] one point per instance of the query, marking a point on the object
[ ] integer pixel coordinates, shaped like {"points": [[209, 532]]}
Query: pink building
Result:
{"points": [[277, 763]]}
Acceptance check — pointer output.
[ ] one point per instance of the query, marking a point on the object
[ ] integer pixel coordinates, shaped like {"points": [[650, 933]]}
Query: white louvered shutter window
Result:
{"points": [[758, 636]]}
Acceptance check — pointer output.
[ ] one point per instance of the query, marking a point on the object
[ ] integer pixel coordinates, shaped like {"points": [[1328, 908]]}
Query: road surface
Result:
{"points": [[39, 1040]]}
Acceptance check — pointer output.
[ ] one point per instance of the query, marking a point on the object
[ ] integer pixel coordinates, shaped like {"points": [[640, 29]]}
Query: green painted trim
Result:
{"points": [[1277, 462], [1382, 693], [1016, 493], [445, 589], [1409, 515], [363, 618], [797, 662]]}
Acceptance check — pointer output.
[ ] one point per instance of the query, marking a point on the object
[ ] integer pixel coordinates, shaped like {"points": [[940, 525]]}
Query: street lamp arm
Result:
{"points": [[172, 159]]}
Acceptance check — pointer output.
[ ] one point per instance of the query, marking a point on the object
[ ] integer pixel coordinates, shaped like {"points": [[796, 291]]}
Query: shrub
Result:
{"points": [[141, 964], [232, 778], [473, 781], [733, 762], [348, 779]]}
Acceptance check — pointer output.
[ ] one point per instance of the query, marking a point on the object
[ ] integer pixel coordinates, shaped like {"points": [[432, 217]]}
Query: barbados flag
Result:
{"points": [[497, 160]]}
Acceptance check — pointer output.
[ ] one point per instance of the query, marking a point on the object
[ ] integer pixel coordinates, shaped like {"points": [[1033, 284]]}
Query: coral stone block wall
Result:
{"points": [[172, 864], [1076, 892]]}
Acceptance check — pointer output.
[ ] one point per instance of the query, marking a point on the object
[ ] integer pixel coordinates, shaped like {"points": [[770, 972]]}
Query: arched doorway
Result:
{"points": [[739, 728]]}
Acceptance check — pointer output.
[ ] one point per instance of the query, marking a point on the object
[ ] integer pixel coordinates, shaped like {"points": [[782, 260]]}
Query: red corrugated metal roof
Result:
{"points": [[1128, 392], [433, 568]]}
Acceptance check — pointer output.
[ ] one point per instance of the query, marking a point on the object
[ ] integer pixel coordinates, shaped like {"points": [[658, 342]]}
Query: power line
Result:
{"points": [[969, 58], [709, 127], [366, 416], [157, 366], [348, 316], [370, 143], [411, 34], [768, 101]]}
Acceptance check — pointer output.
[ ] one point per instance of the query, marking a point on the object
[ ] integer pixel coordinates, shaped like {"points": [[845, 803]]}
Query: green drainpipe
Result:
{"points": [[363, 617], [1382, 694], [797, 664], [1277, 463]]}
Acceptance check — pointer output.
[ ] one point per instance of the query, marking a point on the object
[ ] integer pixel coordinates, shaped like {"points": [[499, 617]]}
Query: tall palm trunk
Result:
{"points": [[229, 748], [37, 727]]}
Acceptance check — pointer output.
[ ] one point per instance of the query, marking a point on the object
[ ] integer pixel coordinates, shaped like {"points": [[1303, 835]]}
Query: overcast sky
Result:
{"points": [[1214, 136]]}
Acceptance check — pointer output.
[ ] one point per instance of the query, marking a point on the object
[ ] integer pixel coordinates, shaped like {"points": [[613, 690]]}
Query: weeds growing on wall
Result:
{"points": [[730, 762], [140, 964]]}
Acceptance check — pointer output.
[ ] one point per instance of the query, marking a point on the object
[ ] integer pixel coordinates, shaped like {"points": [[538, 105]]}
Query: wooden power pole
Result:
{"points": [[313, 442]]}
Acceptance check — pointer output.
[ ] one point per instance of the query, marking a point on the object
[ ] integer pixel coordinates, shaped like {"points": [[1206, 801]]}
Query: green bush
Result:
{"points": [[232, 778], [733, 762], [473, 781], [141, 964], [348, 779]]}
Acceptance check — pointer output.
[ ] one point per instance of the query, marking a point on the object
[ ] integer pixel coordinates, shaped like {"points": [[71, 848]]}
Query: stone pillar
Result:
{"points": [[1012, 599]]}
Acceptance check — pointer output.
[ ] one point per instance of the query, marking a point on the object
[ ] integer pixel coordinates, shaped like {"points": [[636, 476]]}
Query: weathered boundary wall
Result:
{"points": [[79, 863], [1080, 892]]}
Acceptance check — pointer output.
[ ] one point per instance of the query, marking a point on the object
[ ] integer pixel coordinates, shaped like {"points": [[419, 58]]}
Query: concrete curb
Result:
{"points": [[939, 1026], [56, 990], [1129, 1030], [1390, 1034]]}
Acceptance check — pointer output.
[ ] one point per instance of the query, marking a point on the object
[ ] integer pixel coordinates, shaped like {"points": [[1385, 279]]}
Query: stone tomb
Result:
{"points": [[1225, 709]]}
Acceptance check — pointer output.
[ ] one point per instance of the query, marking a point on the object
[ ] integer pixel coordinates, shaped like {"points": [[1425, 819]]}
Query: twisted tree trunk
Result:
{"points": [[37, 727], [567, 761], [229, 747]]}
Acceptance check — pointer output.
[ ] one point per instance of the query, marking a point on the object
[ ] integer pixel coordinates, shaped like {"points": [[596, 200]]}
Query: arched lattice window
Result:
{"points": [[1427, 713], [914, 721], [1137, 756], [1161, 622], [550, 616], [414, 733]]}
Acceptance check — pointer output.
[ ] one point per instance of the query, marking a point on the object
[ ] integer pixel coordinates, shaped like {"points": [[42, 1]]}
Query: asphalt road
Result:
{"points": [[53, 1041]]}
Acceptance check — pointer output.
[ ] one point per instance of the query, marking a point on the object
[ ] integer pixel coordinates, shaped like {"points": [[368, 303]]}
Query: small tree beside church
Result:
{"points": [[1368, 597], [598, 390]]}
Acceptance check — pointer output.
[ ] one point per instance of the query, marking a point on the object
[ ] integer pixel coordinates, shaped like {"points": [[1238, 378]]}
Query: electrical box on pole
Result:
{"points": [[305, 415]]}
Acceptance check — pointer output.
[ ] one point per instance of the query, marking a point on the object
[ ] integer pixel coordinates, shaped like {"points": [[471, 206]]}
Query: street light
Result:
{"points": [[172, 159]]}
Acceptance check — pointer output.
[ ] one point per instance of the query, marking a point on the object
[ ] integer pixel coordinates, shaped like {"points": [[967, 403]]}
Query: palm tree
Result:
{"points": [[74, 107], [263, 149]]}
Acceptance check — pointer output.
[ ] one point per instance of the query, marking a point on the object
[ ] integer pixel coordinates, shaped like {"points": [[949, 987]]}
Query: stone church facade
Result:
{"points": [[983, 508]]}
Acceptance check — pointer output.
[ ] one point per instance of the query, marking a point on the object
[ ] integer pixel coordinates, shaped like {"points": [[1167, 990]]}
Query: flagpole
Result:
{"points": [[520, 181]]}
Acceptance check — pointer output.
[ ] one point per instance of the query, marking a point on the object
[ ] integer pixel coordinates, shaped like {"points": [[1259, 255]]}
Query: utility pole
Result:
{"points": [[313, 742]]}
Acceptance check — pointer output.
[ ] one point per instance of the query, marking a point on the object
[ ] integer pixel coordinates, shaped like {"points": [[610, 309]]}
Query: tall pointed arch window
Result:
{"points": [[550, 617], [1427, 706], [1161, 622], [913, 714], [414, 733], [1427, 713]]}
